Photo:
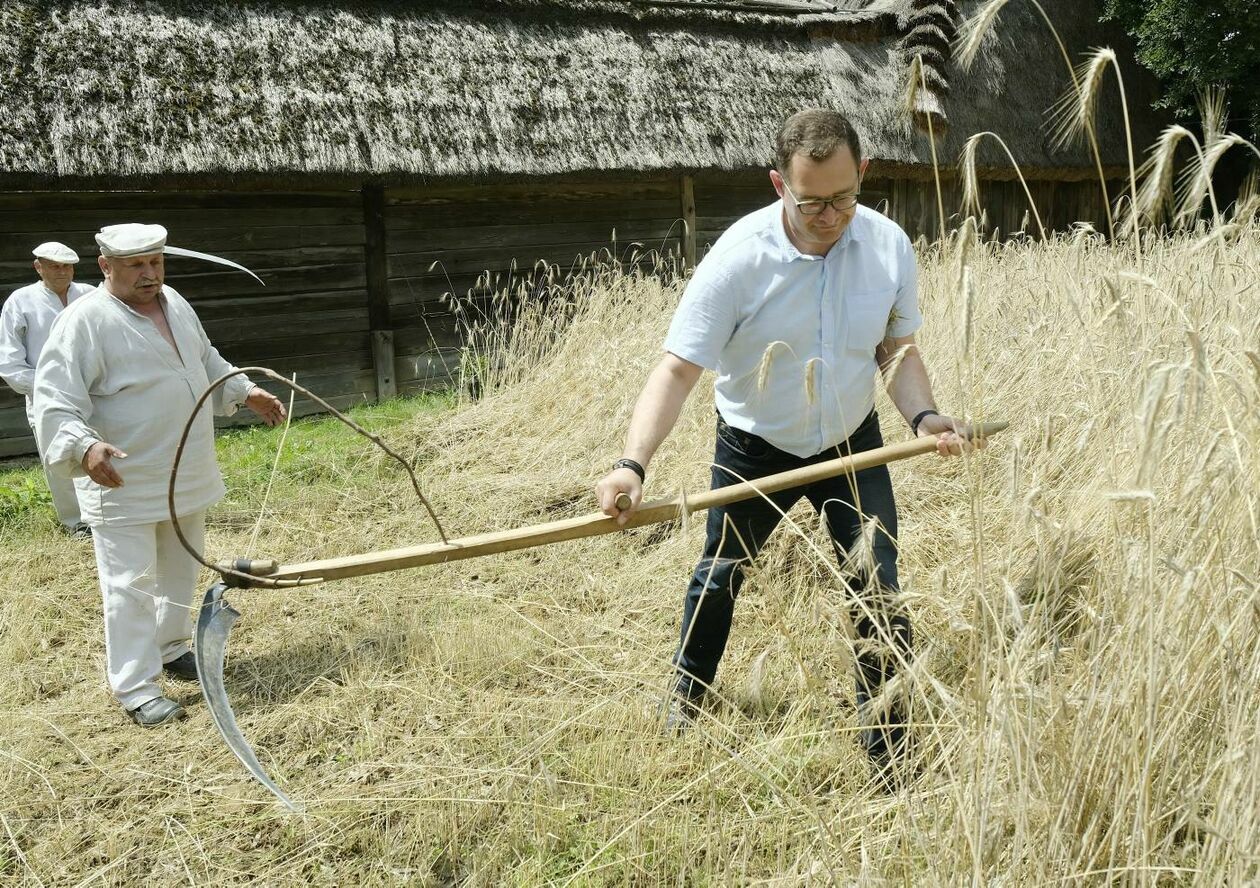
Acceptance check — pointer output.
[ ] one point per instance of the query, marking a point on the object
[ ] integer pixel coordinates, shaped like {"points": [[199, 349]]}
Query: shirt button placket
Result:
{"points": [[825, 326]]}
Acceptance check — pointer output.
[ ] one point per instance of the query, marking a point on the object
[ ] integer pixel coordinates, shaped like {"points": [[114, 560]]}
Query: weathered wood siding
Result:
{"points": [[475, 241], [1006, 211], [358, 296], [310, 319]]}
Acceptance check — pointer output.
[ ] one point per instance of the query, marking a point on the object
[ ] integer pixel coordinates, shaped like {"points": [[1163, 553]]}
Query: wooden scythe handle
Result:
{"points": [[598, 523]]}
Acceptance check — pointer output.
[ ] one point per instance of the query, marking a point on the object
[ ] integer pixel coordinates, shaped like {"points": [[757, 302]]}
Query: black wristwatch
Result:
{"points": [[919, 417], [626, 463]]}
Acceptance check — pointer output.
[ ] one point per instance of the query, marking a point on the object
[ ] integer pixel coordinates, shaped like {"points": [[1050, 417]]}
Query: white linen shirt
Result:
{"points": [[792, 336], [25, 321], [107, 374]]}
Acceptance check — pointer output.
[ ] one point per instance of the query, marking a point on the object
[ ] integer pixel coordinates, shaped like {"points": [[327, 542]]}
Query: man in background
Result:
{"points": [[25, 322], [123, 367]]}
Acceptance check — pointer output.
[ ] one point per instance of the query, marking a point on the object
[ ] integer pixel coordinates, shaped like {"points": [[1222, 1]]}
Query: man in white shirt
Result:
{"points": [[118, 376], [796, 307], [25, 322]]}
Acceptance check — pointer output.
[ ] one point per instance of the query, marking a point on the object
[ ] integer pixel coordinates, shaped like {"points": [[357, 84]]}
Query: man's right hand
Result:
{"points": [[616, 482], [655, 413], [97, 463]]}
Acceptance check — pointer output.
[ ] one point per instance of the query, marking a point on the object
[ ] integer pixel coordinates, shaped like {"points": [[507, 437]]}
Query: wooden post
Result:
{"points": [[687, 191], [375, 257], [383, 362]]}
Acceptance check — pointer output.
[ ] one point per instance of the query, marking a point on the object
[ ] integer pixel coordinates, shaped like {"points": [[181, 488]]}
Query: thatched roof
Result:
{"points": [[491, 88]]}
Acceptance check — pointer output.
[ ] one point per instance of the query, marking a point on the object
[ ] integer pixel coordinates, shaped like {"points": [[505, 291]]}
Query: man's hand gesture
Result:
{"points": [[266, 405], [97, 462]]}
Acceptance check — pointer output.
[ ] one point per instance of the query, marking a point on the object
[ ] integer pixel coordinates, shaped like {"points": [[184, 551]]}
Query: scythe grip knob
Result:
{"points": [[255, 567]]}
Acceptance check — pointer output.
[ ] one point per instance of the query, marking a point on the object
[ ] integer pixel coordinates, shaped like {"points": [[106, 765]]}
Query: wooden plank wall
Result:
{"points": [[311, 318], [478, 240], [355, 276]]}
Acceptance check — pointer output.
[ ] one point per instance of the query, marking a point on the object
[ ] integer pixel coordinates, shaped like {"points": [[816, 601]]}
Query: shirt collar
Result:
{"points": [[855, 232], [857, 228]]}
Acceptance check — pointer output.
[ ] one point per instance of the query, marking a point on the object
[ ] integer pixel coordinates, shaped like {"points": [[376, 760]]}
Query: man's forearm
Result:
{"points": [[657, 409], [14, 367], [21, 380], [68, 440], [908, 385], [233, 393]]}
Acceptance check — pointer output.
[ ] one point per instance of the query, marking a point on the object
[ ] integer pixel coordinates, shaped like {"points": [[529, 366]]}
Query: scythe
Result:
{"points": [[207, 257], [217, 616]]}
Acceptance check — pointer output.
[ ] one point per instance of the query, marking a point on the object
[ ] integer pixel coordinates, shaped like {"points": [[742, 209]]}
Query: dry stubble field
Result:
{"points": [[1087, 597]]}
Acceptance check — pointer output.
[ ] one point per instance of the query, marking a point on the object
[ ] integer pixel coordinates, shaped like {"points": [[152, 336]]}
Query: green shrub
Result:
{"points": [[22, 496]]}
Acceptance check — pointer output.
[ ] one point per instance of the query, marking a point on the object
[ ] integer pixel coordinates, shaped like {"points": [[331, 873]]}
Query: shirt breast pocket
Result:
{"points": [[869, 316]]}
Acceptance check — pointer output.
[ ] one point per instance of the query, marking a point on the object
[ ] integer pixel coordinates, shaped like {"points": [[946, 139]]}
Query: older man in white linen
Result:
{"points": [[120, 372], [25, 322]]}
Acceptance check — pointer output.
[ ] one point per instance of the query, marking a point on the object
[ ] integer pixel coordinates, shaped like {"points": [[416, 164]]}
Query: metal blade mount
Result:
{"points": [[208, 257], [214, 623]]}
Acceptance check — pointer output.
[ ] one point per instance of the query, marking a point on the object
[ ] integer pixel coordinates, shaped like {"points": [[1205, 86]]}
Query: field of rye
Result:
{"points": [[1086, 595]]}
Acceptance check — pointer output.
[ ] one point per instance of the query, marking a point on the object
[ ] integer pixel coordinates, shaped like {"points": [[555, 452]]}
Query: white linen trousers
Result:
{"points": [[148, 584], [65, 499]]}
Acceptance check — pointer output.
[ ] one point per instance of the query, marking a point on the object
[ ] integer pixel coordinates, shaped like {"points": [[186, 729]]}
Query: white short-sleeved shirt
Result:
{"points": [[791, 336]]}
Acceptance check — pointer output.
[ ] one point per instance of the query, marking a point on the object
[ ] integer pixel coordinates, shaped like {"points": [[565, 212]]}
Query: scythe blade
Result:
{"points": [[214, 623], [218, 260]]}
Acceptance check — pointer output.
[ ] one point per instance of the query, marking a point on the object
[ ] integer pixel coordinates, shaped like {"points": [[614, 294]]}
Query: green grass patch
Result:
{"points": [[318, 450]]}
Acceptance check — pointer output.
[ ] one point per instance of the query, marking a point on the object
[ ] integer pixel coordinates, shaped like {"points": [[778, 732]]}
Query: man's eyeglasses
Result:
{"points": [[814, 207]]}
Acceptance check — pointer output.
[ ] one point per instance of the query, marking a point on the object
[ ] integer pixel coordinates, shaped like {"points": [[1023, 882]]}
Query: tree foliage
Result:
{"points": [[1194, 44]]}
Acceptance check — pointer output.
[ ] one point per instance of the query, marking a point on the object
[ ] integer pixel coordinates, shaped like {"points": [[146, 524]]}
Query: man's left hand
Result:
{"points": [[955, 437], [271, 411]]}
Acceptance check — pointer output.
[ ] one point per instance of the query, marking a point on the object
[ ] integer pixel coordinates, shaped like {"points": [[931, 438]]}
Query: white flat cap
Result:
{"points": [[55, 252], [131, 239]]}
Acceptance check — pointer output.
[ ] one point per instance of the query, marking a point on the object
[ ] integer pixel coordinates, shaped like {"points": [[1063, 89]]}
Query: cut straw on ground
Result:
{"points": [[1086, 597]]}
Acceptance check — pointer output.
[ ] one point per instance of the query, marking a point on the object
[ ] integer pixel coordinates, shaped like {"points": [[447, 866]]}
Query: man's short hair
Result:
{"points": [[817, 133]]}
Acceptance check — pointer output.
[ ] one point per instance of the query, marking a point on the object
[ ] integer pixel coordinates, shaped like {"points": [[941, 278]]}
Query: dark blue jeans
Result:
{"points": [[736, 533]]}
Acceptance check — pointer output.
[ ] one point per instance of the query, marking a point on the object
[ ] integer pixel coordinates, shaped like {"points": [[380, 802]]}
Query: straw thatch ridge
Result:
{"points": [[931, 27], [148, 92]]}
